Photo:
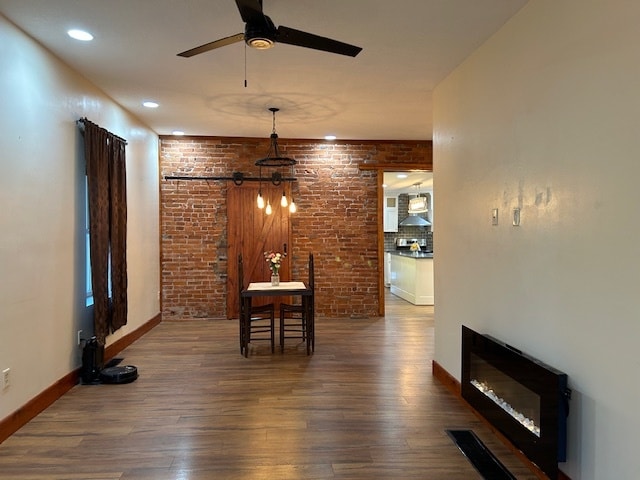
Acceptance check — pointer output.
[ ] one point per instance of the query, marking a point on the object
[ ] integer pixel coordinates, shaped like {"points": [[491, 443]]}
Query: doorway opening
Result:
{"points": [[399, 237]]}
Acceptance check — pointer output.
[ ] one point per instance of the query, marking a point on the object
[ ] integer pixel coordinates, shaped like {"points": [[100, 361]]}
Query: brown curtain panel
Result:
{"points": [[106, 180]]}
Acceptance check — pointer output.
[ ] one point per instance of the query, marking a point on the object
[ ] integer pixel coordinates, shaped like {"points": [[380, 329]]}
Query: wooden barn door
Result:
{"points": [[251, 232]]}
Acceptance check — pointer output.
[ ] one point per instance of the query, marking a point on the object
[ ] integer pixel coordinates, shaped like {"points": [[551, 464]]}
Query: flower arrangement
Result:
{"points": [[415, 247], [274, 259]]}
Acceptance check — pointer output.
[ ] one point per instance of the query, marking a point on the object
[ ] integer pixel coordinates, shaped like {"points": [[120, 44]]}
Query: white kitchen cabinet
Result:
{"points": [[390, 212], [387, 269]]}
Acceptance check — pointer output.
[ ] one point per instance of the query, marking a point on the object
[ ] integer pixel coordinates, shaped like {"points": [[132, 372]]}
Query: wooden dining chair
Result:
{"points": [[294, 324], [261, 318]]}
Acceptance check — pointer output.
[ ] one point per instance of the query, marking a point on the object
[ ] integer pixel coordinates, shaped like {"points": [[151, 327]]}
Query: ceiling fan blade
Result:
{"points": [[250, 10], [292, 36], [238, 37]]}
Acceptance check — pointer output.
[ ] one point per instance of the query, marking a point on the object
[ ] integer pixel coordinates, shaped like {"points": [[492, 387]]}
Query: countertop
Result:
{"points": [[410, 254]]}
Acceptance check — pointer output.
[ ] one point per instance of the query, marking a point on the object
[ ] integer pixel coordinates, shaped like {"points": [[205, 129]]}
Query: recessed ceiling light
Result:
{"points": [[178, 132], [330, 137], [384, 185], [402, 175], [80, 35], [150, 104]]}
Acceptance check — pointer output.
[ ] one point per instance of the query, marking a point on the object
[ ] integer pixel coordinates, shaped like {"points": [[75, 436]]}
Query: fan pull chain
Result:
{"points": [[245, 65]]}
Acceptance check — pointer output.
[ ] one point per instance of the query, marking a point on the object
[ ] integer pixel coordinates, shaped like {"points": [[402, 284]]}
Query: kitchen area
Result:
{"points": [[408, 235]]}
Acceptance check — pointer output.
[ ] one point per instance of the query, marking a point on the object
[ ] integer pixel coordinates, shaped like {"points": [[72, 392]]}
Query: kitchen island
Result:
{"points": [[412, 276]]}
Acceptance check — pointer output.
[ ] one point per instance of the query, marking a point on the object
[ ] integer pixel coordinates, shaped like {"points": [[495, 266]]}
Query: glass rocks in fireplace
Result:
{"points": [[512, 397]]}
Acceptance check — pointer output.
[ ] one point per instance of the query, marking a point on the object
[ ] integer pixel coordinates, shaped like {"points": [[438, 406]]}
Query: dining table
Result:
{"points": [[283, 289]]}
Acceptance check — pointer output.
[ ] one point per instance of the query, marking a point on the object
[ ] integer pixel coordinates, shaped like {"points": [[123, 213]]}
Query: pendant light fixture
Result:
{"points": [[284, 203], [418, 204], [260, 199], [275, 159]]}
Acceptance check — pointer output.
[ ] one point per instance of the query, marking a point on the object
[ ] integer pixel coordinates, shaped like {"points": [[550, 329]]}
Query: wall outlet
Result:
{"points": [[79, 337], [5, 378]]}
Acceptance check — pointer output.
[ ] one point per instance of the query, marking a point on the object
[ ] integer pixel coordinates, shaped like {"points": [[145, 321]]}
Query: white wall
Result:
{"points": [[41, 215], [545, 117]]}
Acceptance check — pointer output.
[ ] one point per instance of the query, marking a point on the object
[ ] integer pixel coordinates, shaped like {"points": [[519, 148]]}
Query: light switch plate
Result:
{"points": [[494, 216], [5, 378], [516, 217]]}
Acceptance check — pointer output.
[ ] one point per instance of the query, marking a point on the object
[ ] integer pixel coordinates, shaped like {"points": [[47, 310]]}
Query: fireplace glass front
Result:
{"points": [[511, 396]]}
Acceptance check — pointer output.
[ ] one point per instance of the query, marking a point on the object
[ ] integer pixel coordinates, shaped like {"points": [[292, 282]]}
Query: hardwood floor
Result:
{"points": [[364, 406]]}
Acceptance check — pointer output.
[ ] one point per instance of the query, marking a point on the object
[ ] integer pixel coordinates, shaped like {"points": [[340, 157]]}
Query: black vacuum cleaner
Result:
{"points": [[95, 372]]}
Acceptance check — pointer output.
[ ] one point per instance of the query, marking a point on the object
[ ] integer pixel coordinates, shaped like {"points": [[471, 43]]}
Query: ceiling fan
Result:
{"points": [[261, 33]]}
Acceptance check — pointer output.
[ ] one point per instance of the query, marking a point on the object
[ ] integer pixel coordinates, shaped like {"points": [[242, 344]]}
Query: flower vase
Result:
{"points": [[275, 280]]}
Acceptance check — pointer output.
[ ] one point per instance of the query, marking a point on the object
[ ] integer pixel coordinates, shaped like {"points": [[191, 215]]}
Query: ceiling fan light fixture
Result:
{"points": [[260, 35], [260, 43]]}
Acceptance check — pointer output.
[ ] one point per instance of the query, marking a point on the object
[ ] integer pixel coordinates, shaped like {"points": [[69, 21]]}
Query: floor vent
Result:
{"points": [[480, 456]]}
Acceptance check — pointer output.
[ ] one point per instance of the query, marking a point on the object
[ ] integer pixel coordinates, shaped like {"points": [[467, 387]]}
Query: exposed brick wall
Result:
{"points": [[337, 219]]}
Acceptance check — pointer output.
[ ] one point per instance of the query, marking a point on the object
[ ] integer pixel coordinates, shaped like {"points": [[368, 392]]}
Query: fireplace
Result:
{"points": [[524, 399]]}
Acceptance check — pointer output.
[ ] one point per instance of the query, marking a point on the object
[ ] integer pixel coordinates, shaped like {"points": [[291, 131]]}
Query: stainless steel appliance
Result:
{"points": [[404, 243]]}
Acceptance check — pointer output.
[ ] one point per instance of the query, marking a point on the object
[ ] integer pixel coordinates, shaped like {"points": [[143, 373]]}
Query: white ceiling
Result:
{"points": [[405, 182], [409, 46]]}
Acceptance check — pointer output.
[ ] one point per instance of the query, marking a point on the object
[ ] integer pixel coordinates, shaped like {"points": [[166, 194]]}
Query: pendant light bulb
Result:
{"points": [[283, 200], [268, 209], [260, 200], [292, 206]]}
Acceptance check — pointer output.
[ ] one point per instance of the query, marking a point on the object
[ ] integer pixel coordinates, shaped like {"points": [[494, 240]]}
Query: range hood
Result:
{"points": [[414, 220]]}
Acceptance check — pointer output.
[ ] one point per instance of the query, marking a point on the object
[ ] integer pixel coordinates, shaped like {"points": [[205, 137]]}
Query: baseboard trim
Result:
{"points": [[23, 415], [453, 385], [116, 347]]}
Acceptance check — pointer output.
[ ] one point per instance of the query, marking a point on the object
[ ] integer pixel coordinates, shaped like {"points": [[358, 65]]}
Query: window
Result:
{"points": [[88, 284]]}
